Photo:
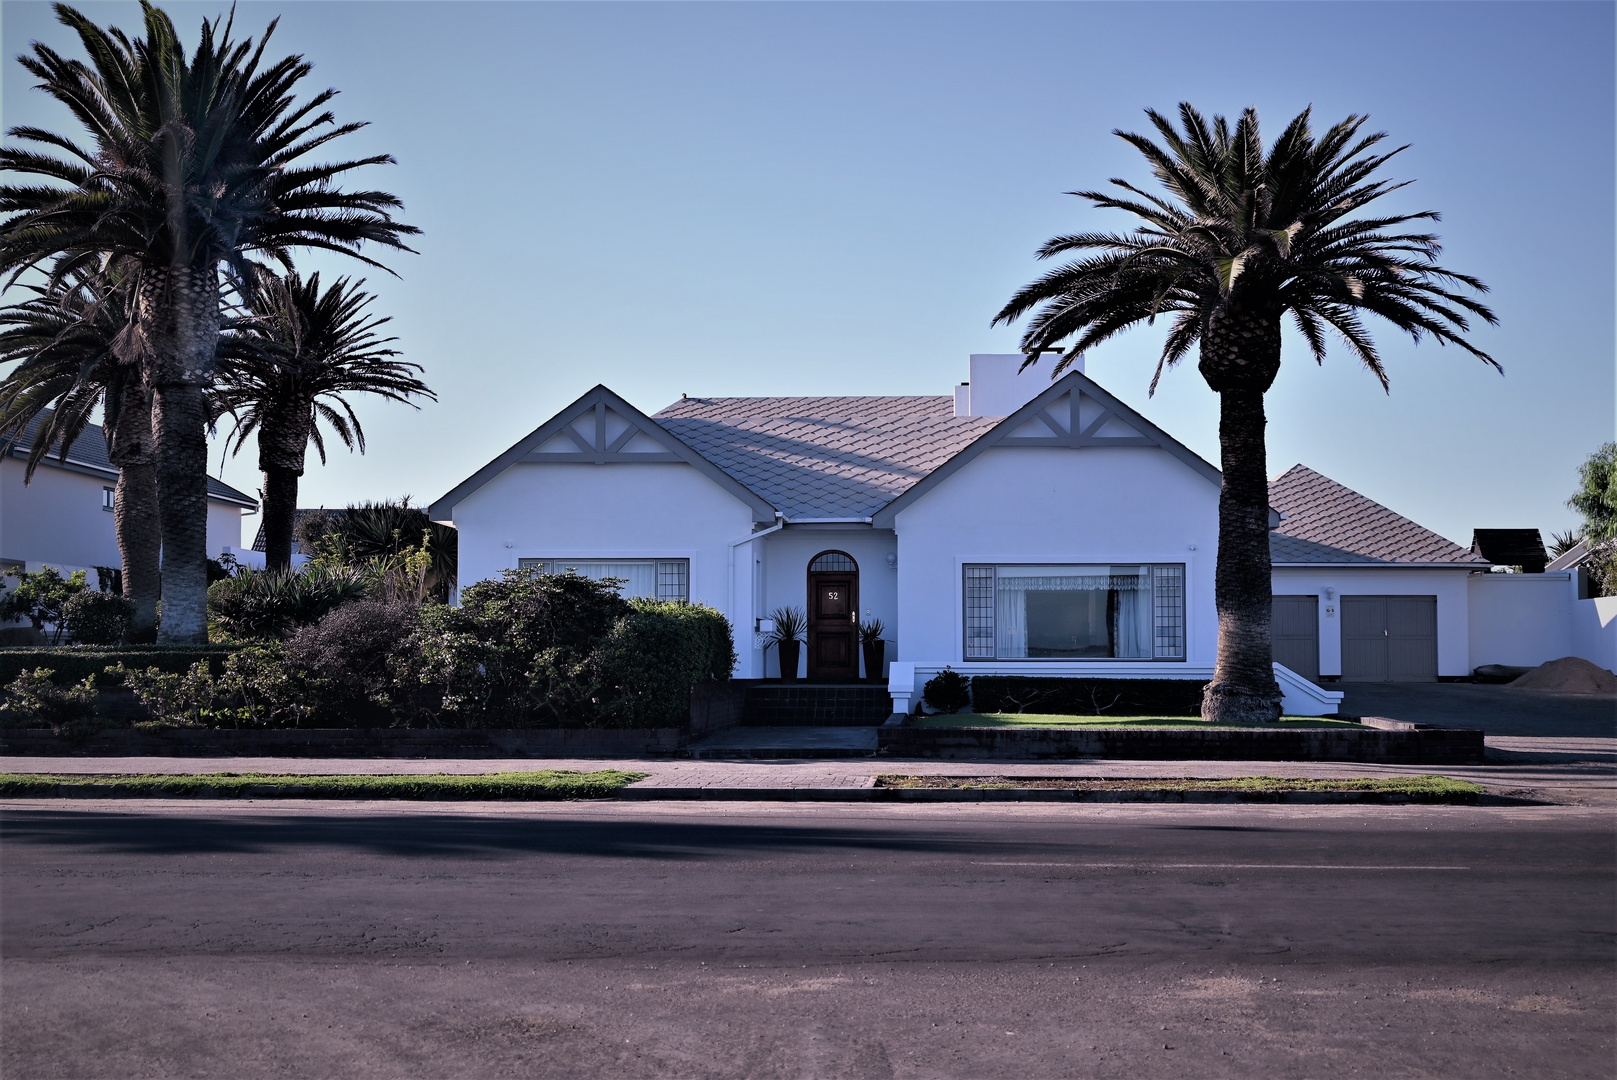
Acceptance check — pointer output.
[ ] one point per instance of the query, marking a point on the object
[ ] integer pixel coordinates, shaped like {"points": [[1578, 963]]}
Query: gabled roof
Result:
{"points": [[1571, 558], [825, 458], [1511, 547], [1073, 412], [600, 428], [1325, 522], [88, 455], [299, 516]]}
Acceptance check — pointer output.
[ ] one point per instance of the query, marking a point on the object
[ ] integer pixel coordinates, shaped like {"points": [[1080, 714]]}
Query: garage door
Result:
{"points": [[1389, 638], [1294, 628]]}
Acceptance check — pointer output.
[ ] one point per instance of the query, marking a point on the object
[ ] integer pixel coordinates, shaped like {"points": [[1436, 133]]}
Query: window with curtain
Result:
{"points": [[1075, 612], [655, 579]]}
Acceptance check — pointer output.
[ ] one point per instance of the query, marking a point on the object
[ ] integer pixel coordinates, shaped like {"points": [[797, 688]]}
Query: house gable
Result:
{"points": [[1073, 413], [599, 428]]}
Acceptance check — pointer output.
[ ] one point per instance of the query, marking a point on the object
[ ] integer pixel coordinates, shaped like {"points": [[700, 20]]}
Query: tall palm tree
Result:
{"points": [[65, 338], [191, 170], [1239, 238], [302, 353]]}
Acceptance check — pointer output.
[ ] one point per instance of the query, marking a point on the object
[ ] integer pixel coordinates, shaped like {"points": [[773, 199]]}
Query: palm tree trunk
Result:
{"points": [[180, 321], [134, 506], [280, 515], [1243, 690], [283, 441], [1240, 357]]}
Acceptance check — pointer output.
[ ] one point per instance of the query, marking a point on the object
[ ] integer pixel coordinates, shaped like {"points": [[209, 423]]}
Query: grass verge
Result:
{"points": [[1041, 720], [538, 784], [1429, 785]]}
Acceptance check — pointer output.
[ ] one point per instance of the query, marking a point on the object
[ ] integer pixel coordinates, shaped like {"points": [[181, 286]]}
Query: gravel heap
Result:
{"points": [[1570, 673]]}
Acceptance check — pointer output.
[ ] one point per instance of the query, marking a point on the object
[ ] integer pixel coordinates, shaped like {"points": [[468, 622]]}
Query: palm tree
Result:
{"points": [[65, 338], [301, 351], [191, 170], [1240, 238]]}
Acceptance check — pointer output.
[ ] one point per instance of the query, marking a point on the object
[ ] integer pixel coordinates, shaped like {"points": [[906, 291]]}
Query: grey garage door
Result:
{"points": [[1294, 628], [1389, 638]]}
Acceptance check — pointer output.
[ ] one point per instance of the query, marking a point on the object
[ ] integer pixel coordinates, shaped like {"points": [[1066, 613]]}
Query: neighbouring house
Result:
{"points": [[1364, 594], [64, 517], [1019, 526]]}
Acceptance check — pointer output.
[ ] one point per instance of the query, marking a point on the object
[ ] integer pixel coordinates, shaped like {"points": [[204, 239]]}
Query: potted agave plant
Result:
{"points": [[791, 627], [873, 646]]}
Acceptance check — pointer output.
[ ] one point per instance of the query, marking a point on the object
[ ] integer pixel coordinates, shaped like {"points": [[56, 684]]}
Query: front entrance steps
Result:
{"points": [[797, 704]]}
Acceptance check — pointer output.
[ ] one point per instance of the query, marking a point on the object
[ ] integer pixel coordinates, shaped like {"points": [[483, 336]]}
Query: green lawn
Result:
{"points": [[1429, 785], [539, 784], [959, 720]]}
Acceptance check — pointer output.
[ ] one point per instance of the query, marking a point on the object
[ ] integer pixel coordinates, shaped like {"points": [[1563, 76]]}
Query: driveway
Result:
{"points": [[1497, 710]]}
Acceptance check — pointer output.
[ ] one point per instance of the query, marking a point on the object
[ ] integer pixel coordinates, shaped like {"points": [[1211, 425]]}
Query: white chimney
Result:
{"points": [[998, 388]]}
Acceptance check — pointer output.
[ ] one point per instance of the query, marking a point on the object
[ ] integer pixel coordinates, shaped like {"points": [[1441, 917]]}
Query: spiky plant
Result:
{"points": [[301, 357], [1238, 238], [64, 341], [192, 169]]}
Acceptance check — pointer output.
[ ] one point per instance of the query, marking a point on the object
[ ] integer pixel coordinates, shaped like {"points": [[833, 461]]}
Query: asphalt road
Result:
{"points": [[744, 940]]}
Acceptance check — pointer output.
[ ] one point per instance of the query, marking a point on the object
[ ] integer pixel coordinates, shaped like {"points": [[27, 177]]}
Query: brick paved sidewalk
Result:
{"points": [[1564, 770]]}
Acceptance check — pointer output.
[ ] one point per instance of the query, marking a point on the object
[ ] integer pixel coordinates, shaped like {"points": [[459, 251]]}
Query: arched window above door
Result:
{"points": [[833, 561]]}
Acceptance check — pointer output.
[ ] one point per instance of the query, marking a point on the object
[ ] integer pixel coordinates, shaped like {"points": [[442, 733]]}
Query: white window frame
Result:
{"points": [[109, 498], [1167, 578]]}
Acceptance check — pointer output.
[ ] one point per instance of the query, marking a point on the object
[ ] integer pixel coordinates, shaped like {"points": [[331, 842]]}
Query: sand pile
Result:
{"points": [[1570, 673]]}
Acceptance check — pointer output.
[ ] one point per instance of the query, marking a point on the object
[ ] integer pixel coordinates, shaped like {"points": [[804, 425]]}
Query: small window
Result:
{"points": [[108, 497], [652, 579], [1075, 612]]}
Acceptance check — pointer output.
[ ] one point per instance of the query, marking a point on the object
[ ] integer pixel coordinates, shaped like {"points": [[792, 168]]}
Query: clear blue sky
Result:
{"points": [[776, 198]]}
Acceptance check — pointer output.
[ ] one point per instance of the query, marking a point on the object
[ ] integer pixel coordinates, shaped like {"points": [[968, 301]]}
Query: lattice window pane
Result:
{"points": [[979, 612], [674, 580], [1169, 604], [834, 561]]}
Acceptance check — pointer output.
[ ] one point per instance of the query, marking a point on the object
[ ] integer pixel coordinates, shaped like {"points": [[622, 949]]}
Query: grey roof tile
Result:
{"points": [[90, 449], [825, 457], [1326, 522]]}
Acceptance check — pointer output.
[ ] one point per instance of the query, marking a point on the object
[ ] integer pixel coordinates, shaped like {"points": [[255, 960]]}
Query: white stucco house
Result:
{"points": [[1019, 526], [64, 517]]}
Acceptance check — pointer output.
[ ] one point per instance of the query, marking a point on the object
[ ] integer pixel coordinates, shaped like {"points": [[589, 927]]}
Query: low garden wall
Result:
{"points": [[1412, 746]]}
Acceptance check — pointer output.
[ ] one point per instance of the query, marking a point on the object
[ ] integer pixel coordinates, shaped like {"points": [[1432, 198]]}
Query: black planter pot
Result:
{"points": [[875, 651], [788, 651]]}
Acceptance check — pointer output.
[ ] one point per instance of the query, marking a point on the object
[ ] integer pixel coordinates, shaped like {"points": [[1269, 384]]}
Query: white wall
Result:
{"points": [[633, 511], [57, 519], [224, 528], [1594, 631], [1449, 586], [782, 566], [1103, 505], [1521, 619]]}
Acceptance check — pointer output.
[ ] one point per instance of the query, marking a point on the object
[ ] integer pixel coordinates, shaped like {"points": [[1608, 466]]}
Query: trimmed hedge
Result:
{"points": [[72, 663], [1086, 697], [652, 657]]}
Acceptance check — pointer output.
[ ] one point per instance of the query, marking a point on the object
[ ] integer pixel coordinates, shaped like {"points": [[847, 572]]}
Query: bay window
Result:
{"points": [[1075, 612]]}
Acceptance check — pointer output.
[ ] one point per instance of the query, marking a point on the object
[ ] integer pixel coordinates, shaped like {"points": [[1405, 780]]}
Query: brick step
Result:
{"points": [[811, 705]]}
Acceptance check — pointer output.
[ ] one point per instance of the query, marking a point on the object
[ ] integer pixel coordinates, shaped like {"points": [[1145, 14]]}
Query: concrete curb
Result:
{"points": [[805, 794]]}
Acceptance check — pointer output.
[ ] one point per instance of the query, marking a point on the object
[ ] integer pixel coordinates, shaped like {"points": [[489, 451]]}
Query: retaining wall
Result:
{"points": [[1415, 746]]}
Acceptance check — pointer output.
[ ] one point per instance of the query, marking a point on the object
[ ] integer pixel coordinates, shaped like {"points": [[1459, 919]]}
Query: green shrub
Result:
{"points": [[98, 618], [516, 653], [361, 658], [947, 691], [269, 605], [1086, 697], [37, 701], [255, 689], [40, 597], [646, 665], [72, 663]]}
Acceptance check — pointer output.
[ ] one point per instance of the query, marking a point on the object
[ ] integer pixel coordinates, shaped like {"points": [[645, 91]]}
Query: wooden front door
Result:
{"points": [[833, 618]]}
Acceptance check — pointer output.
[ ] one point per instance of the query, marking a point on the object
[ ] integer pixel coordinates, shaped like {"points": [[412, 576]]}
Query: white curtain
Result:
{"points": [[1010, 621], [1131, 637], [641, 576]]}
